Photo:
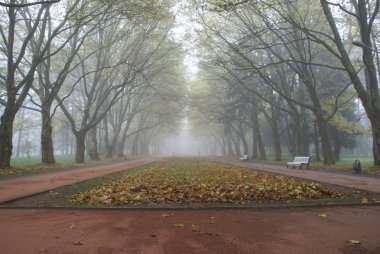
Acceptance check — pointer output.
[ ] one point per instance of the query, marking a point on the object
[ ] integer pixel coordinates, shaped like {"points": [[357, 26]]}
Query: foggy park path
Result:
{"points": [[24, 186], [352, 181]]}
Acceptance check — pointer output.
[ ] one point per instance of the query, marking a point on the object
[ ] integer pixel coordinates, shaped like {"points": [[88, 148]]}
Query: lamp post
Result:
{"points": [[361, 44]]}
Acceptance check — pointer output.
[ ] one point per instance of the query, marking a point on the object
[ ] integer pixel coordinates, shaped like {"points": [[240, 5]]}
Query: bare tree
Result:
{"points": [[21, 66]]}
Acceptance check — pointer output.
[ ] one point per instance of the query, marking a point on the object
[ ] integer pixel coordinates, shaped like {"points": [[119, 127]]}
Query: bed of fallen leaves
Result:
{"points": [[201, 182]]}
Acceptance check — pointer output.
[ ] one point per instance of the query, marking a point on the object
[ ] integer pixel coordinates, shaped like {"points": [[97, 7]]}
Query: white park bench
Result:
{"points": [[299, 161], [244, 157]]}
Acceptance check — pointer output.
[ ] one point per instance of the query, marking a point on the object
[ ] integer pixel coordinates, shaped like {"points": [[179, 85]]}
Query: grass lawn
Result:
{"points": [[190, 183]]}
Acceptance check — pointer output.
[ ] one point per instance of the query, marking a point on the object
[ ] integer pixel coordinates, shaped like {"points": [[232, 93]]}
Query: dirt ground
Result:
{"points": [[264, 231], [322, 230]]}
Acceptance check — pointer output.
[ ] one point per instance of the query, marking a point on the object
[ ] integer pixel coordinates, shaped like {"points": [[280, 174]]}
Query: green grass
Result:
{"points": [[349, 160]]}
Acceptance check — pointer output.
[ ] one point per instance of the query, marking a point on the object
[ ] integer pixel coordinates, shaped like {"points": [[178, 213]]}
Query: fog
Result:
{"points": [[188, 80]]}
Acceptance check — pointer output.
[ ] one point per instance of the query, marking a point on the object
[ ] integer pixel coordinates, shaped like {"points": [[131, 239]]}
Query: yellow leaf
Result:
{"points": [[354, 241], [72, 226], [195, 228], [364, 200], [322, 215], [180, 225]]}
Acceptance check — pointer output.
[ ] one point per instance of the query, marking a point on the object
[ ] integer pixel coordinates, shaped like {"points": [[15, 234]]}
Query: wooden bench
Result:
{"points": [[299, 161], [244, 157]]}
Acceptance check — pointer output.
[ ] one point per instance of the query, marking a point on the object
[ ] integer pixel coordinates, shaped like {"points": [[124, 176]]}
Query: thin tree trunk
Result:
{"points": [[276, 142], [316, 143]]}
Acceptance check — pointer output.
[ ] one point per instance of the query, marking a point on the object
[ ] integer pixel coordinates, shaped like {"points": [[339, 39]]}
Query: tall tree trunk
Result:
{"points": [[6, 133], [230, 150], [337, 148], [260, 144], [67, 139], [276, 142], [94, 154], [120, 147], [135, 145], [375, 123], [111, 148], [237, 146], [327, 151], [47, 148], [254, 144], [80, 146], [245, 145]]}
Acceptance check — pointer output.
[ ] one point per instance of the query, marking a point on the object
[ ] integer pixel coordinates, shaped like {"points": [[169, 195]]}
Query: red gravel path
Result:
{"points": [[351, 181], [262, 231], [23, 186]]}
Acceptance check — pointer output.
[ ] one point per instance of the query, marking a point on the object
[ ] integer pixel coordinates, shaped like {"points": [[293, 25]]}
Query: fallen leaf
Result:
{"points": [[354, 242], [322, 215], [43, 251], [153, 235], [72, 226], [180, 225], [364, 200], [164, 215], [201, 183], [78, 243], [195, 228]]}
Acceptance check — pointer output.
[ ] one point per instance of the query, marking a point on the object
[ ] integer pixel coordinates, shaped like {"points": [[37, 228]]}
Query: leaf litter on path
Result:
{"points": [[202, 182]]}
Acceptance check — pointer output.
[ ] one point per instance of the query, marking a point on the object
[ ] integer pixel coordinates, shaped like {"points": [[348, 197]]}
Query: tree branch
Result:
{"points": [[28, 4]]}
